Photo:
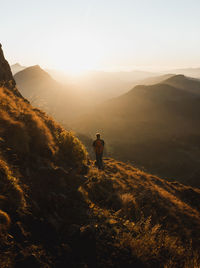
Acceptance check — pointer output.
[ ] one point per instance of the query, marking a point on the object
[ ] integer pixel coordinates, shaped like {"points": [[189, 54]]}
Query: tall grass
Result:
{"points": [[29, 132]]}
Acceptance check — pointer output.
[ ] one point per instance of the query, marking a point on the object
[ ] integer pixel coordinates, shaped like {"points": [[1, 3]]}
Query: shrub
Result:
{"points": [[71, 150], [129, 206]]}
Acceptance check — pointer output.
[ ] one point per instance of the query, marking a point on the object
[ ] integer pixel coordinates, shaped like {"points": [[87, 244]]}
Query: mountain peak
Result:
{"points": [[177, 77], [32, 72], [185, 83], [37, 66]]}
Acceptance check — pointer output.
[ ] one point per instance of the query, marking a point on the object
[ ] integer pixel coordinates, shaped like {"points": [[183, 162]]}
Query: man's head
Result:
{"points": [[98, 135]]}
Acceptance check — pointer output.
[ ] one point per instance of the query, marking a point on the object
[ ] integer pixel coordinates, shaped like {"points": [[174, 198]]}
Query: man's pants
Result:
{"points": [[99, 160]]}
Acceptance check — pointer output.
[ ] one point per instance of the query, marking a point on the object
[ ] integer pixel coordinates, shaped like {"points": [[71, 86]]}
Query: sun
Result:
{"points": [[77, 55]]}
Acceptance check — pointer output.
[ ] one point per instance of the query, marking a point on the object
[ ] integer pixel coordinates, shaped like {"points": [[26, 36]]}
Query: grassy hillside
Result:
{"points": [[141, 219], [38, 158]]}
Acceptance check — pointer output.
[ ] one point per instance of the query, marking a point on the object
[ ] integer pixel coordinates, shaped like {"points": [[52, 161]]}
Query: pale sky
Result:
{"points": [[101, 34]]}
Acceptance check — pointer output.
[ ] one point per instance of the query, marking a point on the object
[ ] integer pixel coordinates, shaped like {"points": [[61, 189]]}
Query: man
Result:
{"points": [[98, 146]]}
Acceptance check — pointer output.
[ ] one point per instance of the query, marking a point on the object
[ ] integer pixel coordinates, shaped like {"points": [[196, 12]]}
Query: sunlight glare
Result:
{"points": [[76, 55]]}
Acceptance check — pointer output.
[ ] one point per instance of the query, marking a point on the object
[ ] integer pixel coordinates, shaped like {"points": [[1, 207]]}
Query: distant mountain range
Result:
{"points": [[97, 86], [67, 101], [154, 126]]}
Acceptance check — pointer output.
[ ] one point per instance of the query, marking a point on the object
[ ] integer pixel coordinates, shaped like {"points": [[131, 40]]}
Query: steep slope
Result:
{"points": [[156, 127], [40, 164]]}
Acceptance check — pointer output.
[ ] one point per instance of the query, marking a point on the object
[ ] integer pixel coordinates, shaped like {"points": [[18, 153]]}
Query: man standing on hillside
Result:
{"points": [[98, 146]]}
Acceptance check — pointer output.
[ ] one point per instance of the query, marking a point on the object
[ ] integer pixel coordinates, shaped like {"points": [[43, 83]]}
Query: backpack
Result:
{"points": [[99, 146]]}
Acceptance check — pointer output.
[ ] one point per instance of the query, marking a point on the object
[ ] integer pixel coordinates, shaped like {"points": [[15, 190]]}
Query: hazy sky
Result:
{"points": [[101, 34]]}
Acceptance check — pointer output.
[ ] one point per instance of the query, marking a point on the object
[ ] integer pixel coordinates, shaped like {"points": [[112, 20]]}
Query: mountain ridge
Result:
{"points": [[32, 72]]}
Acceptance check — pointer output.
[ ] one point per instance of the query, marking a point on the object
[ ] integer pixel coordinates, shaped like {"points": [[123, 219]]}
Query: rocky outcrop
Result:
{"points": [[6, 78]]}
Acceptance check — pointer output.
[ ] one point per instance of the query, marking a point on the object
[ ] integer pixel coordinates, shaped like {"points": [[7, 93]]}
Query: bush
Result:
{"points": [[71, 150]]}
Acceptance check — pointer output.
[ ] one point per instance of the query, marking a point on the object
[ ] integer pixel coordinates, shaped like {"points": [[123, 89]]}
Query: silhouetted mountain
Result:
{"points": [[156, 127], [15, 68], [56, 211], [186, 83], [46, 93]]}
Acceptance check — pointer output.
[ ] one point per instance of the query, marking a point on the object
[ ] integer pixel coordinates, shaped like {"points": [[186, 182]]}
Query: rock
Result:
{"points": [[6, 77]]}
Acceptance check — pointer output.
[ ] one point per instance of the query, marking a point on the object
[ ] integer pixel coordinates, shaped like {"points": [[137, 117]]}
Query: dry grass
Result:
{"points": [[150, 217], [29, 131], [23, 129], [155, 247], [12, 195], [36, 158], [4, 221], [70, 148]]}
